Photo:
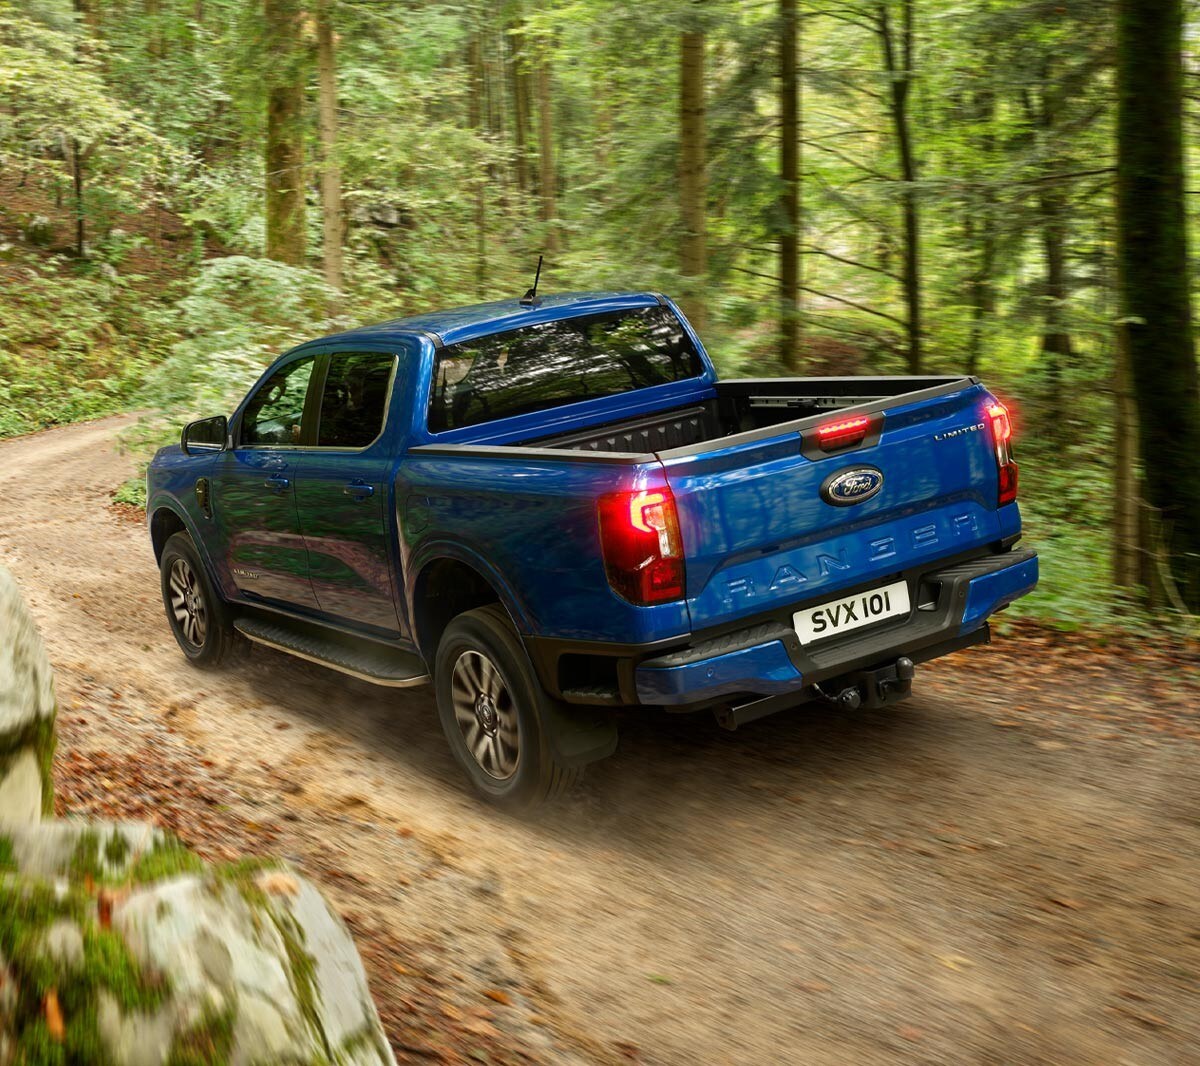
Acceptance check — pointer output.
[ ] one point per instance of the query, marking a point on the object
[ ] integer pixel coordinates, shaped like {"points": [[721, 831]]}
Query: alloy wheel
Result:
{"points": [[486, 714], [187, 603]]}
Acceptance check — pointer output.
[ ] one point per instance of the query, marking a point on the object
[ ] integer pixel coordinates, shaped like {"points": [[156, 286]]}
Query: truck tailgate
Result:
{"points": [[758, 534]]}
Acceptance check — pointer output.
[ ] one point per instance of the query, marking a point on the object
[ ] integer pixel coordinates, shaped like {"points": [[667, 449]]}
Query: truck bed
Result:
{"points": [[742, 405]]}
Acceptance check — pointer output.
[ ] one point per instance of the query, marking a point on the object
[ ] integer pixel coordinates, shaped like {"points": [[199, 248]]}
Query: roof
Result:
{"points": [[478, 320]]}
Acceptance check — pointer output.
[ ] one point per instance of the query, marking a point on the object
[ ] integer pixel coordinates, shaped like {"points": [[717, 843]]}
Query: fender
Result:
{"points": [[164, 501], [433, 550]]}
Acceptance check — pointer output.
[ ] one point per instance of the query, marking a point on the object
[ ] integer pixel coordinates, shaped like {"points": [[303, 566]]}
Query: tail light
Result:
{"points": [[643, 551], [843, 433], [1001, 426]]}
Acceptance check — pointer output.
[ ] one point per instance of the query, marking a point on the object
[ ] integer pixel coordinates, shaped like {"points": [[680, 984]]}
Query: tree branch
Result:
{"points": [[851, 262], [858, 307]]}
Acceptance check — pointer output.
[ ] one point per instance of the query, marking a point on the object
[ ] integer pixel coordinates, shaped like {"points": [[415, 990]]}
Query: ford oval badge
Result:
{"points": [[846, 487]]}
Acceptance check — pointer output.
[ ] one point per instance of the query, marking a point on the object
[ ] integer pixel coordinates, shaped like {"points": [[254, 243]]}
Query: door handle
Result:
{"points": [[358, 490], [278, 483]]}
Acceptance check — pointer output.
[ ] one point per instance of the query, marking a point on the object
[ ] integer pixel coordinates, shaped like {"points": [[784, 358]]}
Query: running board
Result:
{"points": [[367, 661]]}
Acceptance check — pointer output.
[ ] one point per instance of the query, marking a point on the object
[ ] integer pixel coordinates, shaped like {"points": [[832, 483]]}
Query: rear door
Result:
{"points": [[343, 491], [769, 519], [254, 495]]}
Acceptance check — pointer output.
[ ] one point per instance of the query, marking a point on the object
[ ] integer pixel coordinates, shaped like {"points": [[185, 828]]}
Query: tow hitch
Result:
{"points": [[863, 688], [870, 688]]}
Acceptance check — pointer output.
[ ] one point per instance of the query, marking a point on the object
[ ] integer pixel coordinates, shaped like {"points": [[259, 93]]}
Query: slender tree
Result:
{"points": [[1154, 274], [789, 158], [898, 45], [980, 229], [284, 72], [693, 184], [547, 180], [475, 72], [518, 78], [331, 174]]}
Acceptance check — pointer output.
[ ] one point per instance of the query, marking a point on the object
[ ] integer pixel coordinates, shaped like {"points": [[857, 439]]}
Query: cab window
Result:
{"points": [[275, 413], [354, 402]]}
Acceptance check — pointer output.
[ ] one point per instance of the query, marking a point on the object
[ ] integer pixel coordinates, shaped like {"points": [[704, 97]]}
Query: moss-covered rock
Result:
{"points": [[238, 964], [120, 946], [26, 712]]}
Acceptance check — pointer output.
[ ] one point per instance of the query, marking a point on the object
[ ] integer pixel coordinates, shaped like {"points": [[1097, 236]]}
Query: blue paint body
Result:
{"points": [[988, 594], [284, 535]]}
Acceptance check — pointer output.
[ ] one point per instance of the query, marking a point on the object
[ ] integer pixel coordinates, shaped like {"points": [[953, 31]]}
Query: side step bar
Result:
{"points": [[367, 661]]}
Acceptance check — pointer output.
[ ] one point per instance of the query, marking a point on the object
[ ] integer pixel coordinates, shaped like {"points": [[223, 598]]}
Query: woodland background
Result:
{"points": [[187, 187]]}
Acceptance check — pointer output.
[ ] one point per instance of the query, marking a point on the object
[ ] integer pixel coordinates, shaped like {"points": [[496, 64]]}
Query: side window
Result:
{"points": [[355, 399], [275, 413]]}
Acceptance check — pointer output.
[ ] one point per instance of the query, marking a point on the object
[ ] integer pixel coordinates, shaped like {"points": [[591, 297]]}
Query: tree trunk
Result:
{"points": [[693, 185], [789, 159], [547, 181], [898, 60], [152, 10], [1154, 274], [475, 121], [519, 90], [331, 174], [1128, 559], [77, 188], [89, 10], [284, 72], [981, 285], [1056, 340]]}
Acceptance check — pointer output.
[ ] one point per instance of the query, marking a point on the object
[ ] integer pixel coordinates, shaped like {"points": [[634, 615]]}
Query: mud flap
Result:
{"points": [[579, 735]]}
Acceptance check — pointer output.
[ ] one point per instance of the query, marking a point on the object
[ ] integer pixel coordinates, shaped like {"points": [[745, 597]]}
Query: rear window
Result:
{"points": [[556, 363]]}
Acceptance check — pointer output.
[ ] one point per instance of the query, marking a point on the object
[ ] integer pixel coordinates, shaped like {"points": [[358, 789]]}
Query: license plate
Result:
{"points": [[851, 612]]}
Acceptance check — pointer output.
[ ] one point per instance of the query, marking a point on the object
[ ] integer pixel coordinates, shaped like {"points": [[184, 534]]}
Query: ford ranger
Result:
{"points": [[553, 509]]}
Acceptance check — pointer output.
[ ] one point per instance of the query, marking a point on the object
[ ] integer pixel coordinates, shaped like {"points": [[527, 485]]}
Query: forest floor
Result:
{"points": [[1001, 869]]}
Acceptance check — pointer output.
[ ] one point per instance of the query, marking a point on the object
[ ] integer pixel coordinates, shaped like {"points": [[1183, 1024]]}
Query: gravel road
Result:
{"points": [[1003, 869]]}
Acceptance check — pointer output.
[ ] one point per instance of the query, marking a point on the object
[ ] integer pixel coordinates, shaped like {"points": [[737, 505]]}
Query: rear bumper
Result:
{"points": [[768, 659]]}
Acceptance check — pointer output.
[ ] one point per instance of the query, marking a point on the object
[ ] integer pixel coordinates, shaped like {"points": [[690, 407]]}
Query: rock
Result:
{"points": [[183, 962], [285, 961], [136, 1038], [21, 788], [63, 943], [26, 712], [49, 850]]}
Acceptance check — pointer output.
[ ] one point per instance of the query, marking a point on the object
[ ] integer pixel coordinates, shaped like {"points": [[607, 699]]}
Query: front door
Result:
{"points": [[343, 492], [254, 491]]}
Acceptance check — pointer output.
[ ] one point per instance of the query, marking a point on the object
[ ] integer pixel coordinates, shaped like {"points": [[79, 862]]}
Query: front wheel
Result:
{"points": [[494, 712], [197, 615]]}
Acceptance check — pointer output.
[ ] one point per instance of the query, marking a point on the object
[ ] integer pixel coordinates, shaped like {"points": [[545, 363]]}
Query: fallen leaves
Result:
{"points": [[54, 1017], [497, 995], [278, 883], [1067, 903]]}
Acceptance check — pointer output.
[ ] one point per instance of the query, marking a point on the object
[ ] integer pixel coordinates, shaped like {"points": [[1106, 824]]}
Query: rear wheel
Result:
{"points": [[494, 712], [198, 618]]}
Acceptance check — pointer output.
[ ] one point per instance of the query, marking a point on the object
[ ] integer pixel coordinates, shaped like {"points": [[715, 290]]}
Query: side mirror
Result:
{"points": [[207, 435]]}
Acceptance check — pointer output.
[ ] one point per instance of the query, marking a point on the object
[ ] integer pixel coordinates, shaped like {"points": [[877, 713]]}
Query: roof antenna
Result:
{"points": [[530, 299]]}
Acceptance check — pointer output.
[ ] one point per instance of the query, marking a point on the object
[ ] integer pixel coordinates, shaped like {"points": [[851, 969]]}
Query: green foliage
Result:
{"points": [[132, 492], [167, 859], [208, 1043], [1011, 116], [27, 910], [8, 862]]}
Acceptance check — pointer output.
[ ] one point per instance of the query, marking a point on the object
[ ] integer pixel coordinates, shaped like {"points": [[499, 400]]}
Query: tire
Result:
{"points": [[198, 617], [489, 700]]}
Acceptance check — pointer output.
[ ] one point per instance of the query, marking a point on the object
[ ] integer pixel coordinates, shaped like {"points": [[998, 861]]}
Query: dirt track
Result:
{"points": [[1003, 869]]}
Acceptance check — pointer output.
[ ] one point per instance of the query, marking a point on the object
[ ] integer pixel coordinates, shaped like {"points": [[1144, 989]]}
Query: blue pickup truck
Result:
{"points": [[554, 509]]}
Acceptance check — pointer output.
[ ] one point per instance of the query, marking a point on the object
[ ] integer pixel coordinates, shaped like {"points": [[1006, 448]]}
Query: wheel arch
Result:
{"points": [[165, 522], [447, 584]]}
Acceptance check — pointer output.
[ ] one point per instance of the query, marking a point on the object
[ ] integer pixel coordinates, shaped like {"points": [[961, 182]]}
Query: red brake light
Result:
{"points": [[643, 551], [843, 433], [1001, 427]]}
